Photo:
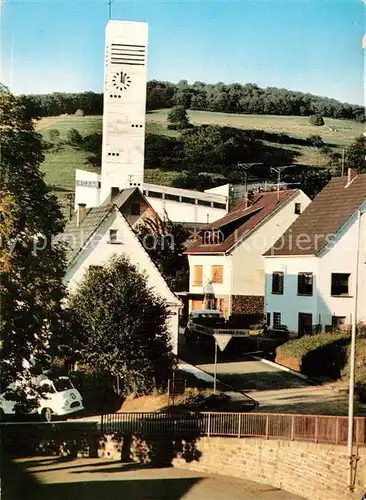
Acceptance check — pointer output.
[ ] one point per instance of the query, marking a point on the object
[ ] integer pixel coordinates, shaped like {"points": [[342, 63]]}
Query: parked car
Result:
{"points": [[59, 399]]}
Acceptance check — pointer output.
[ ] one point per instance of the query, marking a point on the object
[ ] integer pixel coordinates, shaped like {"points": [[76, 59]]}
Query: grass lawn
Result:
{"points": [[59, 166]]}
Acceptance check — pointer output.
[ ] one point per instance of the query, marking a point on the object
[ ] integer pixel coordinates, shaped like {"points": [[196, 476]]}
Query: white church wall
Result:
{"points": [[124, 105]]}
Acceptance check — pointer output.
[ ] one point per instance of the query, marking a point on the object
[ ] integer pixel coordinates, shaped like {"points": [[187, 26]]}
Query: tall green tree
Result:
{"points": [[178, 117], [121, 324], [355, 154], [31, 288], [165, 242]]}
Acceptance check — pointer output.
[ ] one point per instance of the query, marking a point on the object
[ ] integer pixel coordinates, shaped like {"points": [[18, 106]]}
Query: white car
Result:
{"points": [[60, 399]]}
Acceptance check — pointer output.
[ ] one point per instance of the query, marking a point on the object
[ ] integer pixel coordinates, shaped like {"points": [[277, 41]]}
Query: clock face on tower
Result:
{"points": [[121, 80]]}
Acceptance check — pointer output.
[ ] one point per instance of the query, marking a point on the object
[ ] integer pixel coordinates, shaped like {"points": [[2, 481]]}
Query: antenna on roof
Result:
{"points": [[244, 167], [278, 171]]}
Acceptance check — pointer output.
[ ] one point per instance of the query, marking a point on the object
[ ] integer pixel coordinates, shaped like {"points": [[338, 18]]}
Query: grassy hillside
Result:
{"points": [[59, 165]]}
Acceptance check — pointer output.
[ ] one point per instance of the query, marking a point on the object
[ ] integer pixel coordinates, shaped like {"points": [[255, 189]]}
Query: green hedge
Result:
{"points": [[299, 348]]}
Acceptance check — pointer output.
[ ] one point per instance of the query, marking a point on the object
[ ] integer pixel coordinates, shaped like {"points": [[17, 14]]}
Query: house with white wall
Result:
{"points": [[316, 271], [226, 257], [95, 234]]}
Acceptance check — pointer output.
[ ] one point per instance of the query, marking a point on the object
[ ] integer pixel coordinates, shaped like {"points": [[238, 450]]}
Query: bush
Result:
{"points": [[74, 138], [178, 117], [317, 120], [316, 141], [54, 135]]}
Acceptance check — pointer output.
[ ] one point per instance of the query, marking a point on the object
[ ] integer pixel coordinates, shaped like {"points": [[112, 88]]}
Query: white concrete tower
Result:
{"points": [[124, 105]]}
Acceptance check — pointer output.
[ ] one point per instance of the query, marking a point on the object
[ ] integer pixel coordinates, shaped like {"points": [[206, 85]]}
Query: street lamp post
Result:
{"points": [[351, 394]]}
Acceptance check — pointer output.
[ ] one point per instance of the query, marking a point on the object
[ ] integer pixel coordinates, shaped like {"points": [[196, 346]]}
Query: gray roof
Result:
{"points": [[76, 237], [121, 198]]}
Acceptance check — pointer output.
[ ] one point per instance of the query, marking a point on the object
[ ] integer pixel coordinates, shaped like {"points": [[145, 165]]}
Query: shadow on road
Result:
{"points": [[17, 483]]}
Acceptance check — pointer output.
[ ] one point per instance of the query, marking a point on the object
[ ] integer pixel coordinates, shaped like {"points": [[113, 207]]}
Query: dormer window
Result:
{"points": [[113, 236], [212, 237]]}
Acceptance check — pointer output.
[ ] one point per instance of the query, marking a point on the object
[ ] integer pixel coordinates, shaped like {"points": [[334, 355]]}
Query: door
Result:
{"points": [[305, 323]]}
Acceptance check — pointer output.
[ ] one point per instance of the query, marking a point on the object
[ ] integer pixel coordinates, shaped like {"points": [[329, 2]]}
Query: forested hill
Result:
{"points": [[233, 98]]}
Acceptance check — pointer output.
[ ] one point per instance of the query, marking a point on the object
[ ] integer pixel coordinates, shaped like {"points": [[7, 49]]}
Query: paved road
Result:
{"points": [[98, 479], [275, 390]]}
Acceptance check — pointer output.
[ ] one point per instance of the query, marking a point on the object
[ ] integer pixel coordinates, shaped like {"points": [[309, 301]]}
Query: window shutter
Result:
{"points": [[198, 273], [217, 274]]}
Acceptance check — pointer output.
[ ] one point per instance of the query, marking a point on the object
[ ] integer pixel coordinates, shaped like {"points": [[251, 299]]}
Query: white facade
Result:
{"points": [[181, 205], [124, 105], [339, 258], [244, 265], [99, 249]]}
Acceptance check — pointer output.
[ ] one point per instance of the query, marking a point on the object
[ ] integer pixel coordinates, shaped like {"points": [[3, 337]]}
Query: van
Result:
{"points": [[59, 399]]}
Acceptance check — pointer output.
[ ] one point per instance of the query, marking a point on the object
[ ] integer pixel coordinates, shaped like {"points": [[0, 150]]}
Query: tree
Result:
{"points": [[310, 180], [178, 117], [316, 141], [317, 120], [122, 325], [74, 138], [355, 154], [165, 242], [54, 135], [31, 287]]}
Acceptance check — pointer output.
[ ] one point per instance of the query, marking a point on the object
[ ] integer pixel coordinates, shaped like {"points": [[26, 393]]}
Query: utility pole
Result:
{"points": [[351, 393], [110, 9], [278, 171]]}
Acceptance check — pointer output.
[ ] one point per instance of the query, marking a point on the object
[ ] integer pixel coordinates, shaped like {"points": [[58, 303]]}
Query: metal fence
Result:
{"points": [[313, 428]]}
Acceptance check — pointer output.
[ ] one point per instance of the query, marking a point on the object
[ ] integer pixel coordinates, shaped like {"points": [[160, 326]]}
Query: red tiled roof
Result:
{"points": [[262, 207], [323, 218]]}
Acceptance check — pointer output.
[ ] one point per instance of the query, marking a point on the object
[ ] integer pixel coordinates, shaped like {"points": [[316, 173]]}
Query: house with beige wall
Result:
{"points": [[226, 257]]}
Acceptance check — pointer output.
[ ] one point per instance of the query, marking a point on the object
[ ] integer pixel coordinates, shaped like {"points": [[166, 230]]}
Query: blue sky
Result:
{"points": [[312, 46]]}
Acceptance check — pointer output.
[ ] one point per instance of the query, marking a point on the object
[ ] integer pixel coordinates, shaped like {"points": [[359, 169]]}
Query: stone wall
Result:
{"points": [[313, 471], [247, 304]]}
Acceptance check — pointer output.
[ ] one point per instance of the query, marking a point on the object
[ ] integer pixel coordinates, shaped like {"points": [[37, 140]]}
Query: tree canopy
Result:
{"points": [[121, 324], [31, 287], [355, 154], [246, 98]]}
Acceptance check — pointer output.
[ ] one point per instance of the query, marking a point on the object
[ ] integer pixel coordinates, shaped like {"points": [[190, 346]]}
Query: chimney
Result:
{"points": [[80, 214], [114, 192], [351, 174]]}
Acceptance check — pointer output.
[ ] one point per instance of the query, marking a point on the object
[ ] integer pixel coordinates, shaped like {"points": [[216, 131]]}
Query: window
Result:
{"points": [[217, 274], [172, 197], [188, 200], [340, 284], [219, 205], [155, 194], [298, 208], [113, 233], [197, 276], [305, 284], [277, 283], [135, 209], [276, 320], [338, 321], [268, 319], [204, 203]]}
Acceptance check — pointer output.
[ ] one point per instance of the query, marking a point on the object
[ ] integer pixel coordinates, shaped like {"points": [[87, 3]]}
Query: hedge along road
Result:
{"points": [[44, 478], [274, 389]]}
